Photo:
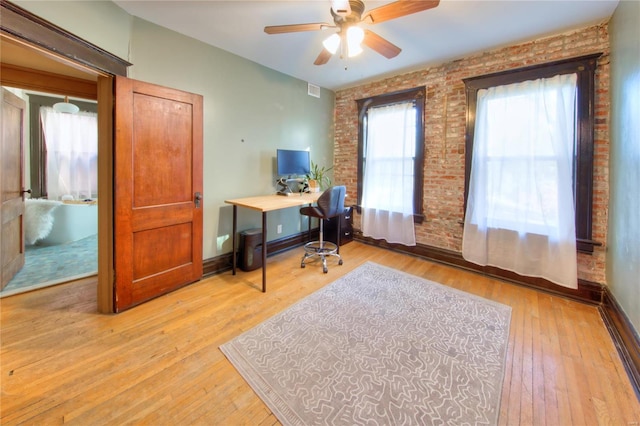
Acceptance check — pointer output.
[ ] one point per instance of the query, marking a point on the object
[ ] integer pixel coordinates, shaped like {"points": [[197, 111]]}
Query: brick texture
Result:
{"points": [[445, 115]]}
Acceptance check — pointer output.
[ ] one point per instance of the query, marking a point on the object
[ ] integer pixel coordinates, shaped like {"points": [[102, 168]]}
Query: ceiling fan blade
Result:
{"points": [[380, 45], [280, 29], [398, 9], [323, 57]]}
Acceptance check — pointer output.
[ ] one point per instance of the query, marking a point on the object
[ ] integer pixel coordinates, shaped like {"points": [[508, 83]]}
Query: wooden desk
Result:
{"points": [[264, 204]]}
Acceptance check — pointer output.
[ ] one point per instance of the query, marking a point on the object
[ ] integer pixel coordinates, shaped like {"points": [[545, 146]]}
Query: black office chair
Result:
{"points": [[329, 205]]}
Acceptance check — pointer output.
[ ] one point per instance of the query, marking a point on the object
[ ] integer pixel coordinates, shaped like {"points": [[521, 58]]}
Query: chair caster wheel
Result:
{"points": [[340, 262], [325, 270], [302, 265]]}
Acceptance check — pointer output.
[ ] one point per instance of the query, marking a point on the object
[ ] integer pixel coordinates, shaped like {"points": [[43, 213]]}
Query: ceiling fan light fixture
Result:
{"points": [[341, 7], [355, 36], [347, 15], [332, 43]]}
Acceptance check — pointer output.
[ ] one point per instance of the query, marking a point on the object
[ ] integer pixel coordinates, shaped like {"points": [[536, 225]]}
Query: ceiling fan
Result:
{"points": [[347, 17]]}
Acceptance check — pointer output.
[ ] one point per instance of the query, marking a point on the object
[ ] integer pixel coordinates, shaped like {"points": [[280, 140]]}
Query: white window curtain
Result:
{"points": [[387, 193], [520, 208], [72, 153]]}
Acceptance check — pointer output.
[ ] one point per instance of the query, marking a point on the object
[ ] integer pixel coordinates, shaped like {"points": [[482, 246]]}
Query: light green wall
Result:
{"points": [[623, 255], [100, 22], [249, 110]]}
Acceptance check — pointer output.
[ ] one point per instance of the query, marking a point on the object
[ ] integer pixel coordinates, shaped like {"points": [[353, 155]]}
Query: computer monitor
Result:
{"points": [[292, 163]]}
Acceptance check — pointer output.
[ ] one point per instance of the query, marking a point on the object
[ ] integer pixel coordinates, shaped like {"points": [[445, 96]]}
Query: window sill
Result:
{"points": [[582, 245], [417, 217], [586, 246]]}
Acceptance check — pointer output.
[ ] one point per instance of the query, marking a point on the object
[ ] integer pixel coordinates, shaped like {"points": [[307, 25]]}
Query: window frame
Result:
{"points": [[37, 146], [417, 96], [584, 67]]}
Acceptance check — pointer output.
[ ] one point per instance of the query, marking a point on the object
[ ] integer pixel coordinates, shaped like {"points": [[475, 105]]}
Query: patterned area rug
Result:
{"points": [[379, 347]]}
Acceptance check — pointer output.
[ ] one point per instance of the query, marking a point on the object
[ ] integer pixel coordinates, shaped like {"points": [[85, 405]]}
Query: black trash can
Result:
{"points": [[250, 249]]}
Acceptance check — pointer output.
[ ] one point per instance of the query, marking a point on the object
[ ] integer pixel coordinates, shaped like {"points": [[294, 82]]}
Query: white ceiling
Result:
{"points": [[452, 30]]}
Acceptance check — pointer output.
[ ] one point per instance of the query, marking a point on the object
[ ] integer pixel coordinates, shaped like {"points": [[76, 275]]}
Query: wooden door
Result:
{"points": [[11, 186], [158, 191]]}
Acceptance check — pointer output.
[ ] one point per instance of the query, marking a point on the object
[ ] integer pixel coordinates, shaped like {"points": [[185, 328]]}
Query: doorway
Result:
{"points": [[60, 171], [29, 70], [32, 42]]}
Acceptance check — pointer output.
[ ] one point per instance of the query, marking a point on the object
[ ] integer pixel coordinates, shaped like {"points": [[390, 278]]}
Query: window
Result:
{"points": [[582, 127], [72, 153], [391, 130], [38, 154], [523, 155]]}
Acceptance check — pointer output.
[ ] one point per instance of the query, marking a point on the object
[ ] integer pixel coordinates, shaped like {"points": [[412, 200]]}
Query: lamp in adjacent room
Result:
{"points": [[66, 106]]}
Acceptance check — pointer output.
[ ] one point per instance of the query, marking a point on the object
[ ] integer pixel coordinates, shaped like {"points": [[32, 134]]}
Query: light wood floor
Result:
{"points": [[159, 363]]}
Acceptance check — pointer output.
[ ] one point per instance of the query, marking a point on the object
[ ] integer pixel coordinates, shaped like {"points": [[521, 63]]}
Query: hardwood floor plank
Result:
{"points": [[575, 401], [526, 394], [537, 366], [549, 343], [562, 385], [159, 363]]}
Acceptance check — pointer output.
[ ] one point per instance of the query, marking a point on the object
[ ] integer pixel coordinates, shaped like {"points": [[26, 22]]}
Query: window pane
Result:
{"points": [[390, 146], [396, 140], [524, 148], [536, 203]]}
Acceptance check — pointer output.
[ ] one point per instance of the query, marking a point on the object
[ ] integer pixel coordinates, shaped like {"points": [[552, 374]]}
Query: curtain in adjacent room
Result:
{"points": [[72, 153], [520, 208], [387, 194]]}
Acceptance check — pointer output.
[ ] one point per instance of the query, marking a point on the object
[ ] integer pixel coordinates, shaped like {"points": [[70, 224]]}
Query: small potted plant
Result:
{"points": [[317, 178]]}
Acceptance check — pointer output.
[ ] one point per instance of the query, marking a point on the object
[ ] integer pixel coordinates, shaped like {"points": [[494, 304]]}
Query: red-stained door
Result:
{"points": [[158, 187], [11, 186]]}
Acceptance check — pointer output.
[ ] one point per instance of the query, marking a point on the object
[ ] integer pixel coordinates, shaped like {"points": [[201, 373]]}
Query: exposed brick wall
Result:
{"points": [[445, 111]]}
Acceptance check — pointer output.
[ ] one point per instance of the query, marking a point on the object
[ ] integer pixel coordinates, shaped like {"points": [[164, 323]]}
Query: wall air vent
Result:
{"points": [[313, 90]]}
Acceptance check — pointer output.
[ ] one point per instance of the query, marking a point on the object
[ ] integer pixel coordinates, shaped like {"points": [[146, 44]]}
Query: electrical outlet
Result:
{"points": [[279, 230]]}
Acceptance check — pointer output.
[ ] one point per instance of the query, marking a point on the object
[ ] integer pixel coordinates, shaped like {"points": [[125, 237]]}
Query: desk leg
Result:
{"points": [[264, 252], [235, 226], [308, 227]]}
